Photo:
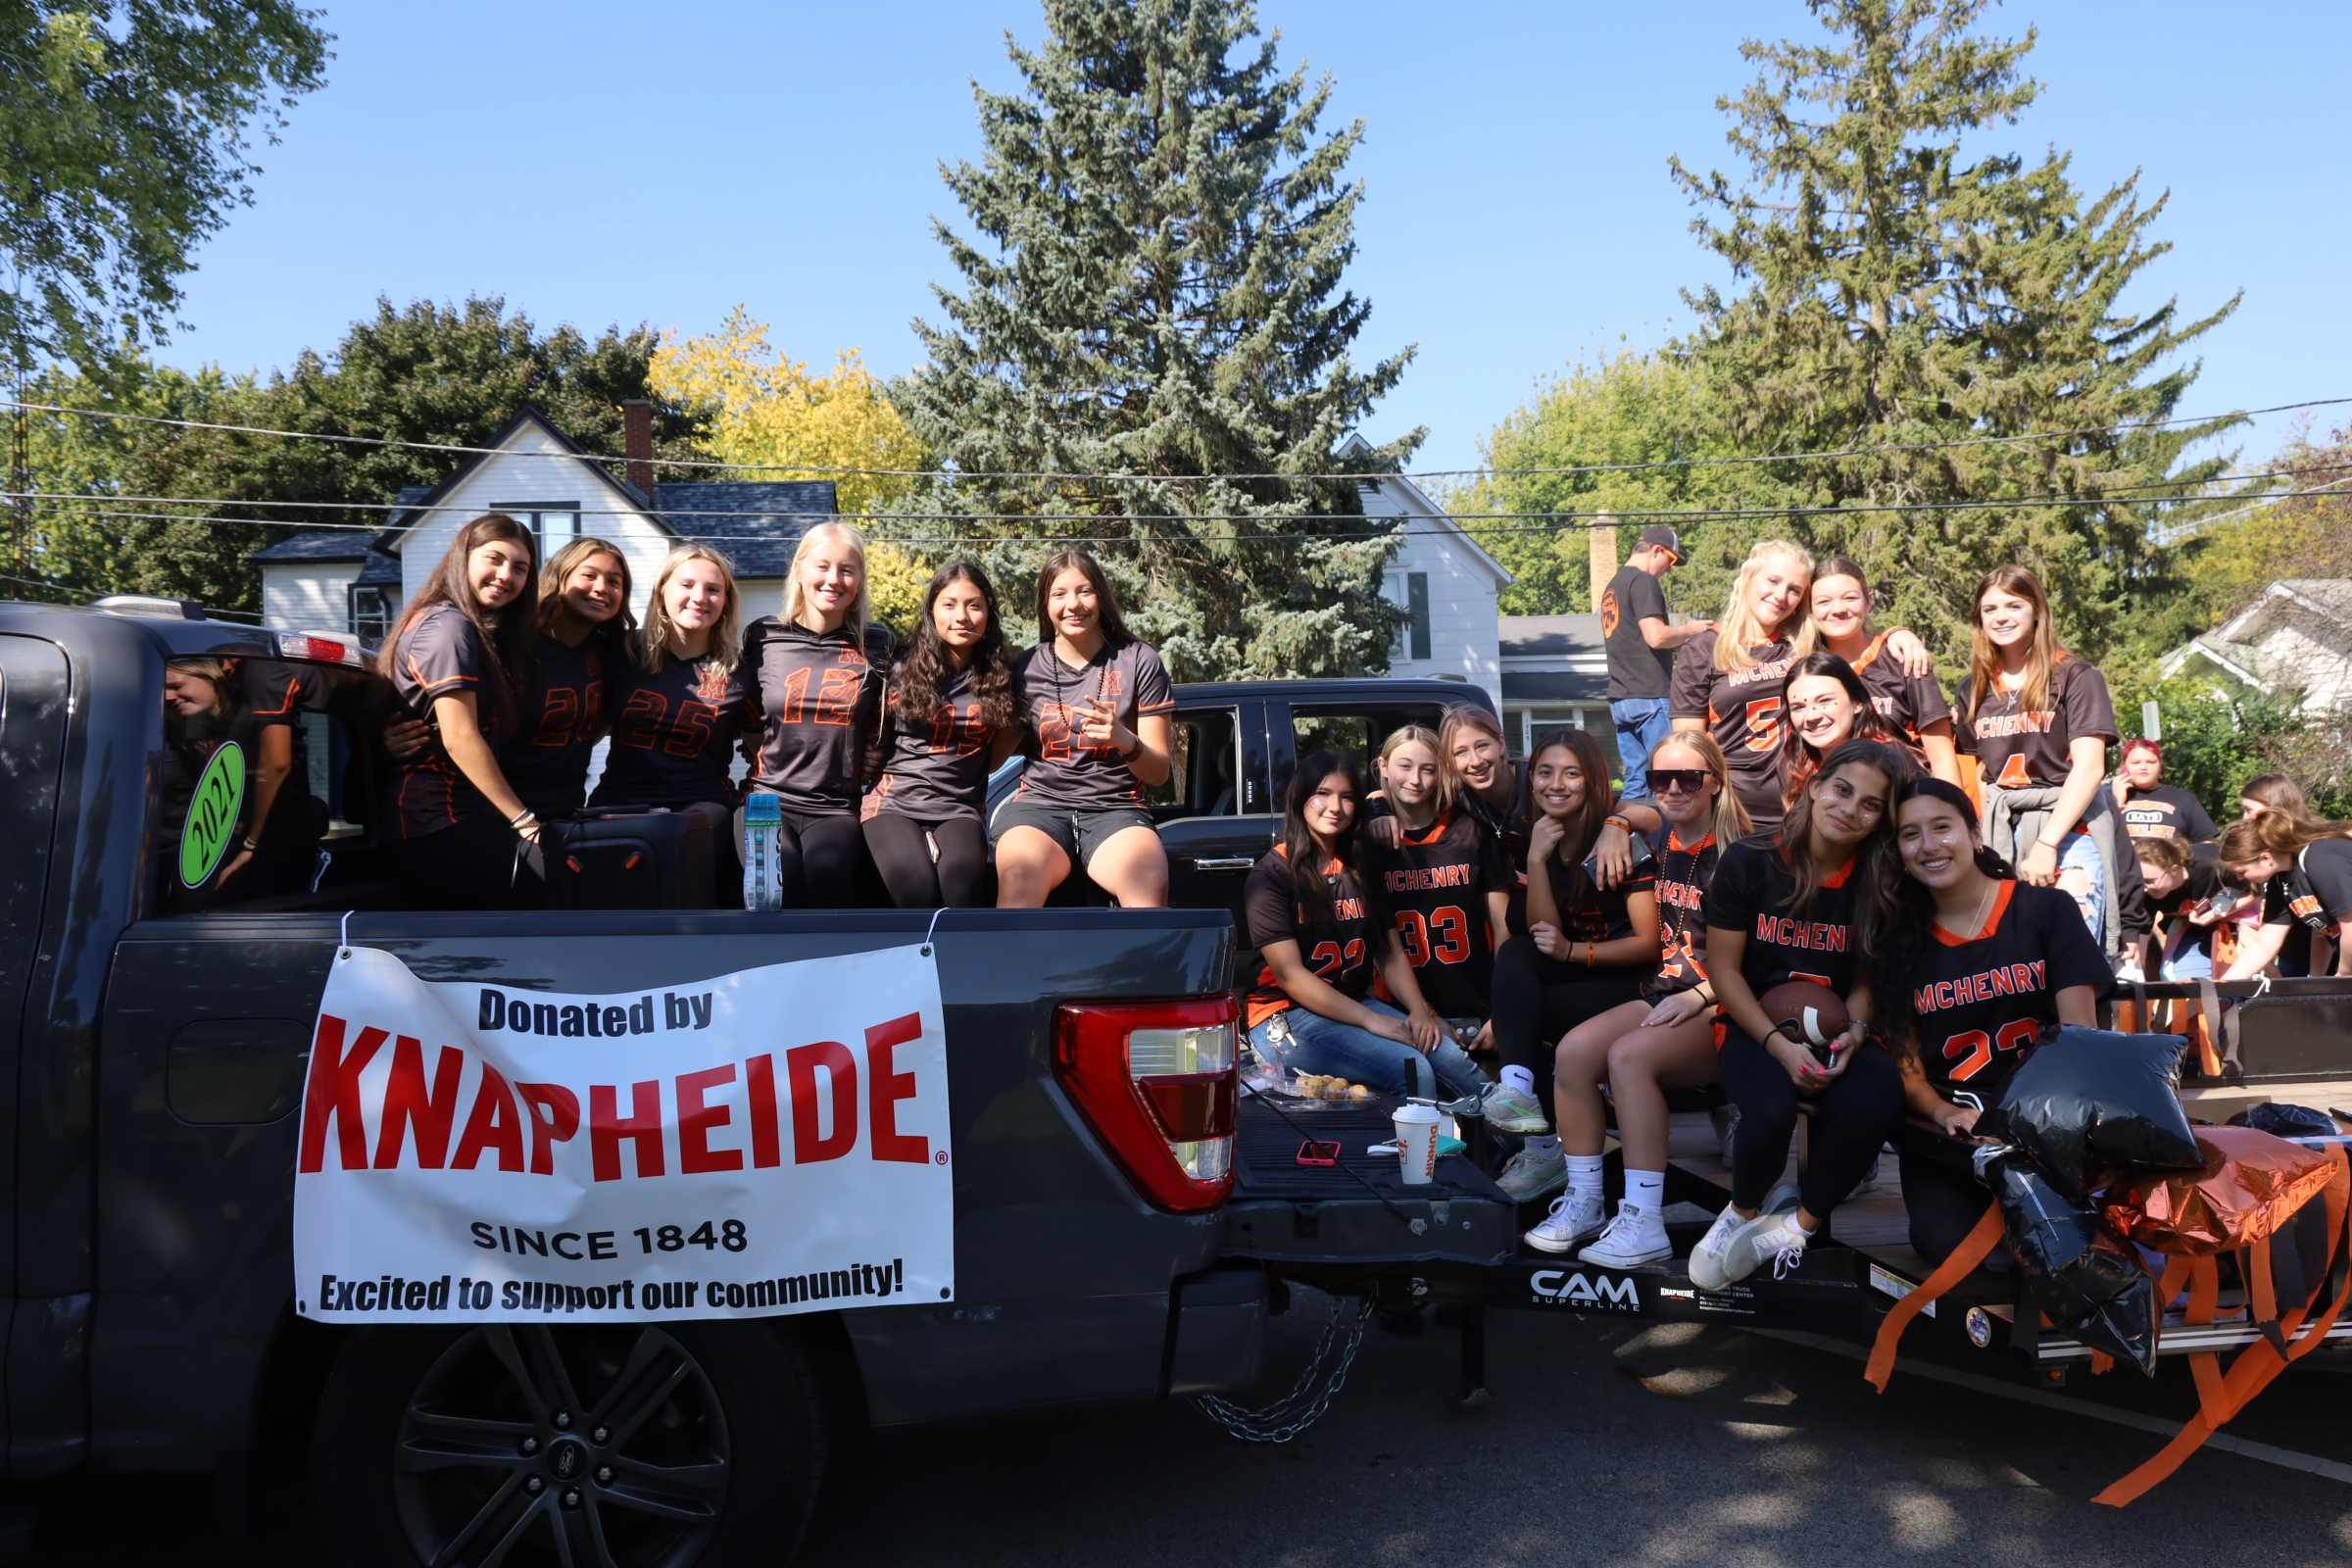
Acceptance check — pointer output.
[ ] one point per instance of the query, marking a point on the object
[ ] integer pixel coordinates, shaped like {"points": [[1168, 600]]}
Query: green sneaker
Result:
{"points": [[1512, 1110], [1531, 1175]]}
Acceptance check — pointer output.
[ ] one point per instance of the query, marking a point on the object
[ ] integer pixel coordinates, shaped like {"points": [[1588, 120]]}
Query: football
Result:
{"points": [[1810, 1013]]}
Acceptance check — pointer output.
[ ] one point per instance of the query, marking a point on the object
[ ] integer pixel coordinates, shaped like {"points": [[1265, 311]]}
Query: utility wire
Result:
{"points": [[1150, 479]]}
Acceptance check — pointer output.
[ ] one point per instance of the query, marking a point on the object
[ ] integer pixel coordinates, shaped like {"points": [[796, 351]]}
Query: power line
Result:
{"points": [[1150, 479]]}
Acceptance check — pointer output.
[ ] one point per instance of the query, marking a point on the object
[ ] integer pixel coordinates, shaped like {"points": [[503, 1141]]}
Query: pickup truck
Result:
{"points": [[157, 1042]]}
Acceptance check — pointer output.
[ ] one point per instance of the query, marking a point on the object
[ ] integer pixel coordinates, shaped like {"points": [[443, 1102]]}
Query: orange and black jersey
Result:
{"points": [[1979, 1001], [560, 715], [673, 733], [440, 653], [2018, 749], [1340, 952], [1683, 873], [935, 764], [1596, 914], [1908, 704], [1744, 711], [1435, 882], [818, 697], [1064, 770], [2316, 892], [1750, 893]]}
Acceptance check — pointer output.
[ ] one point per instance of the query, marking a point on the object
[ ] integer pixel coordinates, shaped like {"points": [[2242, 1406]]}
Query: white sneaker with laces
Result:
{"points": [[1708, 1257], [1768, 1237], [1575, 1216], [1636, 1236]]}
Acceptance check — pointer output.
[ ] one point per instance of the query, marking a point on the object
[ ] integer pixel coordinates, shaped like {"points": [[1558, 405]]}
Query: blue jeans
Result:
{"points": [[1318, 1043], [1641, 722]]}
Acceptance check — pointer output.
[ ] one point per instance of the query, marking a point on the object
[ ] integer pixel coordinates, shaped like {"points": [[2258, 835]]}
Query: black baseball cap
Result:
{"points": [[1664, 538]]}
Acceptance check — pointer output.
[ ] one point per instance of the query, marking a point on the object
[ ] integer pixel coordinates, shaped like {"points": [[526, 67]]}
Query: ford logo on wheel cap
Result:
{"points": [[568, 1460]]}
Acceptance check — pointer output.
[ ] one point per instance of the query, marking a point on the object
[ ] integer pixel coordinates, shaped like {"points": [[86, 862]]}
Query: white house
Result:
{"points": [[536, 474], [2296, 637], [1445, 583], [1555, 675]]}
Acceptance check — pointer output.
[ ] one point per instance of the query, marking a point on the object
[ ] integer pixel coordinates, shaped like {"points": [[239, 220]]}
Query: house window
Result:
{"points": [[370, 612], [1412, 639], [553, 524]]}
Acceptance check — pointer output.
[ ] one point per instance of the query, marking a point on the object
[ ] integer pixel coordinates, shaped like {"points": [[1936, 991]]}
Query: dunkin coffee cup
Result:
{"points": [[1418, 1141]]}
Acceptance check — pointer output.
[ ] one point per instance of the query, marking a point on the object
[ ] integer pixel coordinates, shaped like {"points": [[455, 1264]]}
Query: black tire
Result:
{"points": [[428, 1442]]}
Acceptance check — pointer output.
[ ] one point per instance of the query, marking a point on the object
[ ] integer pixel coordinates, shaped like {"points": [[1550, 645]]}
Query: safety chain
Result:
{"points": [[1305, 1405]]}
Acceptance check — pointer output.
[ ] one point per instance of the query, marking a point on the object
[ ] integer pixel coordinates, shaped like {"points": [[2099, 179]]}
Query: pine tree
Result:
{"points": [[1158, 299], [1902, 291]]}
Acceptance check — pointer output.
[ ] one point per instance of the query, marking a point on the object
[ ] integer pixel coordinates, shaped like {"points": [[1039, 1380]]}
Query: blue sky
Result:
{"points": [[598, 162]]}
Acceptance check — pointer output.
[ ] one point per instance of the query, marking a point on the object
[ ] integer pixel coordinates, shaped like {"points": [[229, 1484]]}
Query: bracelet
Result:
{"points": [[2046, 844], [1614, 820], [247, 842], [523, 819]]}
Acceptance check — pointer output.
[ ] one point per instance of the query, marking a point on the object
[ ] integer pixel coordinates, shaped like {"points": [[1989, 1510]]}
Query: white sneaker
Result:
{"points": [[1636, 1236], [1575, 1216], [1708, 1257], [1774, 1237]]}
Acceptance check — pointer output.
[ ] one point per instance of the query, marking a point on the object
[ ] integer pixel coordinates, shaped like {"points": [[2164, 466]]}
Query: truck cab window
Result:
{"points": [[1205, 781]]}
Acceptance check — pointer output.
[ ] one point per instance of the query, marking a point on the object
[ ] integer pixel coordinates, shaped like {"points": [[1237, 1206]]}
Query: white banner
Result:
{"points": [[770, 1141]]}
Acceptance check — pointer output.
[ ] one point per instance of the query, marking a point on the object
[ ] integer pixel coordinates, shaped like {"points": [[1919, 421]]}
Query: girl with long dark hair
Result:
{"points": [[1893, 665], [1966, 968], [1586, 949], [1664, 1037], [1098, 702], [1322, 928], [1828, 704], [949, 718], [584, 627], [1799, 904], [2038, 721], [458, 660]]}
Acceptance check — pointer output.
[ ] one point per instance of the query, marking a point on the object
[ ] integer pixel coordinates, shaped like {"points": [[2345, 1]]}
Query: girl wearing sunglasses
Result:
{"points": [[1642, 1046]]}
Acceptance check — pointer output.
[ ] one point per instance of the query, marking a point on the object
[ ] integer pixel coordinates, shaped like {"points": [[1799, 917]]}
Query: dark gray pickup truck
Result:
{"points": [[157, 1038]]}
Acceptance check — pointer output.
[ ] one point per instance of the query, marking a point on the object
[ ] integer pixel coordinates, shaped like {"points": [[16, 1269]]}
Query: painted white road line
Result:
{"points": [[2286, 1458]]}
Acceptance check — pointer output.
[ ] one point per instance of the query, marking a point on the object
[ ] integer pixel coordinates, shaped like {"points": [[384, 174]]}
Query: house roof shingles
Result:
{"points": [[755, 523]]}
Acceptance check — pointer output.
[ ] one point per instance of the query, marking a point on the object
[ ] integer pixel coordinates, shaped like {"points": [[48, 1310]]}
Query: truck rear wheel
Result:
{"points": [[625, 1445]]}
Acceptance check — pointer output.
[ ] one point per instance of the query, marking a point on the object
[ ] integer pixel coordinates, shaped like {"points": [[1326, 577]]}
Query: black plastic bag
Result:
{"points": [[2089, 1100], [2084, 1278], [2288, 1121]]}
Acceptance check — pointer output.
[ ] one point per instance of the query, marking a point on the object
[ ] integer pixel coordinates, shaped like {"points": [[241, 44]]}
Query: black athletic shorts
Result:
{"points": [[1079, 832]]}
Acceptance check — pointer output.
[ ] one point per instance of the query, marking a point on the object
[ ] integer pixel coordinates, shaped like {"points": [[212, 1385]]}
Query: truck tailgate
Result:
{"points": [[1359, 1210]]}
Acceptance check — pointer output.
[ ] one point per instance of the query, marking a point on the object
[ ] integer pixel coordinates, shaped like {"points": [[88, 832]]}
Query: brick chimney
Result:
{"points": [[637, 445], [1603, 534]]}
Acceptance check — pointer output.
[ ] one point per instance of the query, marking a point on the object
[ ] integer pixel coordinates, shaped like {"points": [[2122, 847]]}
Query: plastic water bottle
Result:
{"points": [[763, 875]]}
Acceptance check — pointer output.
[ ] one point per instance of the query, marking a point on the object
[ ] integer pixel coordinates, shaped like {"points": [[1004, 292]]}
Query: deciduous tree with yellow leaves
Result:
{"points": [[766, 408]]}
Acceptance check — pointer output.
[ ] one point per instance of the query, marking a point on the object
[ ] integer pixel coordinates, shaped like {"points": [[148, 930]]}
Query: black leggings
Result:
{"points": [[1538, 999], [1856, 1114], [478, 863], [905, 860], [818, 854], [1945, 1204]]}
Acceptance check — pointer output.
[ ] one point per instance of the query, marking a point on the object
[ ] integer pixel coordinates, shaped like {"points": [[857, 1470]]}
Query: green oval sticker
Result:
{"points": [[212, 815]]}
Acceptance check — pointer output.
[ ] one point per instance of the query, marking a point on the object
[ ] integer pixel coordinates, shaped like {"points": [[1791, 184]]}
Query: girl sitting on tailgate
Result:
{"points": [[816, 675], [1797, 904], [1950, 920], [1322, 926], [952, 717], [458, 833], [1667, 1037], [1447, 882], [676, 705]]}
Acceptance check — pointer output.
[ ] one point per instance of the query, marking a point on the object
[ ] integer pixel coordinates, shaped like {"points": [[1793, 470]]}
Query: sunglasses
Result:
{"points": [[1690, 780]]}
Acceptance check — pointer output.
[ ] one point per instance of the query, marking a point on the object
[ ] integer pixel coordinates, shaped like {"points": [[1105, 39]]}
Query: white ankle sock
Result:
{"points": [[1547, 1145], [1520, 1078], [1646, 1189], [1584, 1173]]}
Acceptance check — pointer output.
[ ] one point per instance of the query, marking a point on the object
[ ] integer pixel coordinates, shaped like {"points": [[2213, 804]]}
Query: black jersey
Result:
{"points": [[935, 764], [673, 733], [1596, 914], [2018, 749], [1066, 771], [2177, 935], [2316, 892], [1980, 1001], [1744, 711], [1750, 893], [560, 717], [1909, 704], [1340, 952], [818, 697], [440, 653], [1683, 873], [1437, 883]]}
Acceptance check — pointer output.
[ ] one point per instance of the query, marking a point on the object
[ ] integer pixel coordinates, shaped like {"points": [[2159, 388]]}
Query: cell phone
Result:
{"points": [[1314, 1152]]}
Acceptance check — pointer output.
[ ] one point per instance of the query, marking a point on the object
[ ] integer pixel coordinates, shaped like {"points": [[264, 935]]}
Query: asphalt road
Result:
{"points": [[1605, 1443]]}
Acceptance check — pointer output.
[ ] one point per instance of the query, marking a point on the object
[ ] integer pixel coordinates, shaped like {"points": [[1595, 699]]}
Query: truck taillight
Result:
{"points": [[1156, 1080]]}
